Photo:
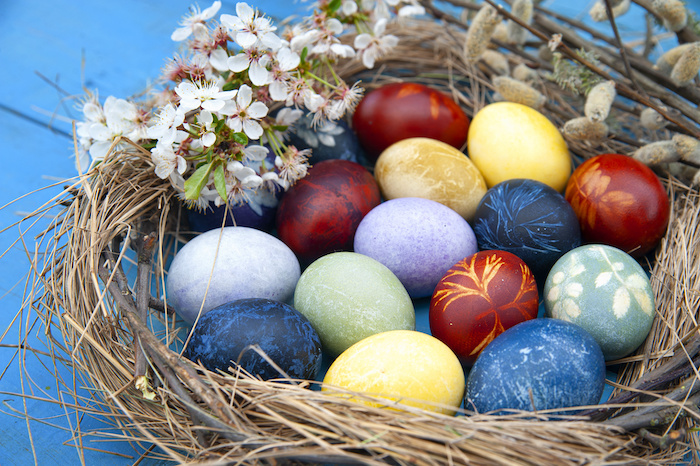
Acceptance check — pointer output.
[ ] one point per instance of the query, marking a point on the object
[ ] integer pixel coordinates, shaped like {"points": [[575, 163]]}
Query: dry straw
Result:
{"points": [[97, 301]]}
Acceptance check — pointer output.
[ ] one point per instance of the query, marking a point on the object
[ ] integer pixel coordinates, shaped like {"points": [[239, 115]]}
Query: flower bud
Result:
{"points": [[480, 32], [497, 61], [516, 91], [687, 67], [524, 73], [651, 119], [657, 153], [673, 13], [688, 148], [523, 10], [599, 101], [583, 129], [599, 13], [666, 61]]}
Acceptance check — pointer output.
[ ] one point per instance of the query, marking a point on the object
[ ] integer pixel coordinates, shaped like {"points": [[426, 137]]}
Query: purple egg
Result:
{"points": [[417, 239]]}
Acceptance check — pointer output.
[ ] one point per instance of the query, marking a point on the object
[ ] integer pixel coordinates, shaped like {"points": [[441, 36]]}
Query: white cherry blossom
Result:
{"points": [[254, 60], [206, 95], [167, 161], [194, 20], [248, 28], [372, 47], [244, 113]]}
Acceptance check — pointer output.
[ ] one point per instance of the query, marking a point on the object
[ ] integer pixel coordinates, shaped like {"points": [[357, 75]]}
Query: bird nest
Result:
{"points": [[119, 226]]}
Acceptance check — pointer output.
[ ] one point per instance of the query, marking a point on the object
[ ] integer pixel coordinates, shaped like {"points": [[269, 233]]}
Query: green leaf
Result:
{"points": [[220, 181], [303, 55], [240, 138], [195, 183], [334, 5]]}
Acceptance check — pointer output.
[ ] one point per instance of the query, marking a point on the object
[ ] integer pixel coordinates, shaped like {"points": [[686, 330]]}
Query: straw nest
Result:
{"points": [[96, 298]]}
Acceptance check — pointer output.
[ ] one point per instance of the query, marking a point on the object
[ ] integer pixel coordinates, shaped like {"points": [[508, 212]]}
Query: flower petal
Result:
{"points": [[238, 63], [257, 110]]}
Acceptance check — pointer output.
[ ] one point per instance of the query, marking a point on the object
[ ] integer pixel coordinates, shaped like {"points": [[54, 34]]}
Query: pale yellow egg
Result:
{"points": [[409, 367], [430, 169], [508, 140]]}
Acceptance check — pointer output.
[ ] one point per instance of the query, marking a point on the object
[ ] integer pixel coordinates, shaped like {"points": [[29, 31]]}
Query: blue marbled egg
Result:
{"points": [[328, 140], [529, 219], [259, 213], [227, 332], [548, 362]]}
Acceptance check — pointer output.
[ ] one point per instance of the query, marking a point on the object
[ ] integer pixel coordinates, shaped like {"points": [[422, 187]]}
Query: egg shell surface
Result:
{"points": [[417, 239], [605, 291], [430, 169], [409, 367], [321, 212], [397, 111], [327, 140], [349, 296], [249, 264], [226, 333], [548, 362], [529, 219], [509, 140], [620, 202], [479, 298]]}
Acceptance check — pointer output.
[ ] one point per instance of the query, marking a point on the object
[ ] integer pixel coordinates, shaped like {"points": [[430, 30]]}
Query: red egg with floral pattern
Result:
{"points": [[400, 111], [320, 213], [620, 202], [479, 298]]}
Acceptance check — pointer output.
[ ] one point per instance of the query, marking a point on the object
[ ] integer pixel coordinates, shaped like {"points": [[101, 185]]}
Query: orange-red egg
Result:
{"points": [[400, 111], [479, 298], [620, 202]]}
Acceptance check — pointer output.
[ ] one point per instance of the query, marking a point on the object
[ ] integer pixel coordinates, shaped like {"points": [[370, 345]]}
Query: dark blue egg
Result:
{"points": [[328, 140], [549, 362], [226, 333], [258, 213], [529, 219]]}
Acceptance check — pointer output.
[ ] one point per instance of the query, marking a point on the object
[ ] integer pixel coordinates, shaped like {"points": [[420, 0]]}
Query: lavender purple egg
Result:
{"points": [[242, 263], [417, 239]]}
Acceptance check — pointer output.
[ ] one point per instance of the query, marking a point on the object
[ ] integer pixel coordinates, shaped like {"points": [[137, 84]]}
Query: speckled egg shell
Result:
{"points": [[605, 291], [417, 239], [620, 202], [321, 212], [409, 367], [529, 219], [250, 264], [536, 365], [479, 298], [430, 169], [227, 332], [349, 296]]}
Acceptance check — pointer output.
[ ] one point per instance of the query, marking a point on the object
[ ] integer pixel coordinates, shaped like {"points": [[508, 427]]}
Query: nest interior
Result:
{"points": [[103, 267]]}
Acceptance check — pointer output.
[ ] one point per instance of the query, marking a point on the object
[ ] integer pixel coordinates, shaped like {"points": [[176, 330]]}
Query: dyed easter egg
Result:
{"points": [[327, 140], [227, 332], [529, 219], [408, 367], [242, 262], [349, 296], [406, 110], [619, 201], [259, 212], [536, 365], [605, 291], [479, 298], [321, 212], [509, 140], [427, 168], [418, 239]]}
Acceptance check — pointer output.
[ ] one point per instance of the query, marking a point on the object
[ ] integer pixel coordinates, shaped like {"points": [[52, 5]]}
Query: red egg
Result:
{"points": [[479, 298], [321, 212], [620, 202], [404, 110]]}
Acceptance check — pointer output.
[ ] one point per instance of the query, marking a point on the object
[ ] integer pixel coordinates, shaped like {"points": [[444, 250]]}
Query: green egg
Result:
{"points": [[348, 296]]}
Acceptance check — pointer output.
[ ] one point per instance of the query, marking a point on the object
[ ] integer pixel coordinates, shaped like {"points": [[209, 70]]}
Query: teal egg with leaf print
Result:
{"points": [[604, 290]]}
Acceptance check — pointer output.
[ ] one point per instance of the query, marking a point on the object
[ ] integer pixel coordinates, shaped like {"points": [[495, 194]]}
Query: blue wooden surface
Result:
{"points": [[43, 45]]}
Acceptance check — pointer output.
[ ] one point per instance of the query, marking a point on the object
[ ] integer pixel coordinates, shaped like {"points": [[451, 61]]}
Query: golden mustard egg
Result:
{"points": [[507, 140], [430, 169], [409, 367]]}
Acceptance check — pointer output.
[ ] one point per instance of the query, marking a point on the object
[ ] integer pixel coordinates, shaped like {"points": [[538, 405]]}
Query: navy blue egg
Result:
{"points": [[225, 334], [529, 219], [259, 213], [550, 362], [328, 140]]}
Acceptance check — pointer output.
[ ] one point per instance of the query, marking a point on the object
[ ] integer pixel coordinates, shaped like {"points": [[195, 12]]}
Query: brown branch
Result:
{"points": [[144, 245], [620, 47]]}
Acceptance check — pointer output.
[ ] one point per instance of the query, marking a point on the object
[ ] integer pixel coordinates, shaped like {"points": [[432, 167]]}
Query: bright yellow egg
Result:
{"points": [[406, 366], [508, 140]]}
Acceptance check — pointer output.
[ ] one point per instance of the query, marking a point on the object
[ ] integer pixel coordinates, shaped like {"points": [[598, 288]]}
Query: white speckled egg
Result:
{"points": [[417, 239], [250, 264]]}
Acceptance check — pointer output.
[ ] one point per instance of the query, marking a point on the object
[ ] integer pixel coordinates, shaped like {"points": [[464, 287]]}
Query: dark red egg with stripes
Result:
{"points": [[400, 111], [320, 213], [479, 298]]}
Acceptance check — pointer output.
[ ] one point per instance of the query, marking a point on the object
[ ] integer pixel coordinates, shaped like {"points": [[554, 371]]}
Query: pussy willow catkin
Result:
{"points": [[583, 129], [497, 61], [669, 58], [600, 100], [673, 13], [657, 153], [687, 67], [599, 13], [523, 10], [480, 32], [688, 148], [524, 73], [513, 90], [651, 119]]}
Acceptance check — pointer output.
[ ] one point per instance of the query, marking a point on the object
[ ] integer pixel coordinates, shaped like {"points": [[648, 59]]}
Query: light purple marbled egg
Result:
{"points": [[417, 239], [250, 264]]}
